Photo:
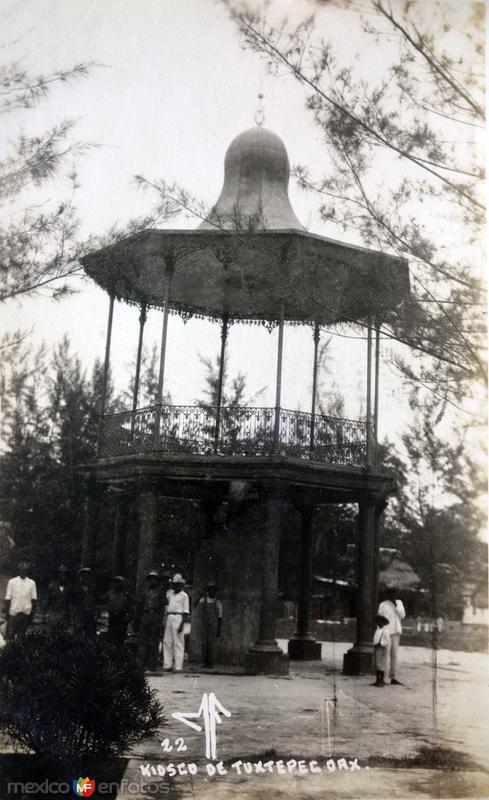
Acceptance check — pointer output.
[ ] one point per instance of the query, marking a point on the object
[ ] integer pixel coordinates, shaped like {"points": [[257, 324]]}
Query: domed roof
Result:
{"points": [[255, 190]]}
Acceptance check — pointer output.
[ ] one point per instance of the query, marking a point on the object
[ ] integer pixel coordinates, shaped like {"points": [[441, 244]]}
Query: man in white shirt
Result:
{"points": [[20, 600], [177, 613], [393, 610]]}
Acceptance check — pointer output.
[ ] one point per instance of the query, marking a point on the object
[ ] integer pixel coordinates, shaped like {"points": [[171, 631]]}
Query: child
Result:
{"points": [[382, 644]]}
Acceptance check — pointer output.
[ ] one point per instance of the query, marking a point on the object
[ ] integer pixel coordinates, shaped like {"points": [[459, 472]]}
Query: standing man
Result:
{"points": [[166, 584], [84, 608], [21, 598], [148, 620], [210, 612], [393, 610], [178, 612], [58, 600], [118, 604]]}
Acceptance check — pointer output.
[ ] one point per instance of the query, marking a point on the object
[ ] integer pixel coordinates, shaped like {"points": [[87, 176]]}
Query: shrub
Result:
{"points": [[75, 701]]}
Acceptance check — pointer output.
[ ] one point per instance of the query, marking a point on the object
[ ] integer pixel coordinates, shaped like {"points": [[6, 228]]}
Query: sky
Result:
{"points": [[172, 89]]}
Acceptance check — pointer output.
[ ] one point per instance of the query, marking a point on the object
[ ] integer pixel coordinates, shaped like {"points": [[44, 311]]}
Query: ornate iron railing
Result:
{"points": [[242, 431]]}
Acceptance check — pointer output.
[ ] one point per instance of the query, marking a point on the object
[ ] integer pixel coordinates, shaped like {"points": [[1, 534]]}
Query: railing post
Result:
{"points": [[278, 387], [161, 373], [224, 335], [142, 320], [368, 443], [105, 378], [317, 334], [376, 392]]}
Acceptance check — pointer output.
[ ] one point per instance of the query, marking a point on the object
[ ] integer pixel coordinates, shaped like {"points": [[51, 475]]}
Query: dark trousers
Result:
{"points": [[149, 639], [18, 624], [117, 630], [209, 643], [59, 619], [85, 625]]}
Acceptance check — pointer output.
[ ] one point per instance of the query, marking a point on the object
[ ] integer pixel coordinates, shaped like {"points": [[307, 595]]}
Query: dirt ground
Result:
{"points": [[319, 734]]}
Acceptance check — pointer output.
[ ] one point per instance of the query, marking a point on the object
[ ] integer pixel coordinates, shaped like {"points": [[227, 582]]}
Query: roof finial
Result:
{"points": [[260, 111]]}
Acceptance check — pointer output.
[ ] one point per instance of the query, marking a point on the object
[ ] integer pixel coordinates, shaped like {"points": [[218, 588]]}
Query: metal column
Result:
{"points": [[161, 373], [224, 336], [376, 392], [278, 388], [142, 320], [317, 334], [369, 396], [105, 378]]}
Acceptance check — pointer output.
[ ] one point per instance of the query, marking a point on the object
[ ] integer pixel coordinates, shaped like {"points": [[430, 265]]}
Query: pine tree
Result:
{"points": [[403, 161], [50, 422], [38, 241]]}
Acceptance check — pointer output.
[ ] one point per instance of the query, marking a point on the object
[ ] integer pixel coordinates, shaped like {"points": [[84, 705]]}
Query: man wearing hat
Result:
{"points": [[210, 612], [20, 601], [148, 620], [177, 613], [58, 606], [118, 604], [393, 610], [84, 609]]}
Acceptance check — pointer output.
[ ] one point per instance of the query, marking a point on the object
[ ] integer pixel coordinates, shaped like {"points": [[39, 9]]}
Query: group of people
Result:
{"points": [[386, 638], [157, 609], [66, 605], [161, 611]]}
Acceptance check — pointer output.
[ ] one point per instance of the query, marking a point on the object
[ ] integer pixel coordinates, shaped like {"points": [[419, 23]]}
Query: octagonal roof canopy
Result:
{"points": [[251, 276], [251, 259]]}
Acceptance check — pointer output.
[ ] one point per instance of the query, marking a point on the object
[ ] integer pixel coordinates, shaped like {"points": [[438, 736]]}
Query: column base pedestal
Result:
{"points": [[267, 660], [358, 660], [304, 650]]}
